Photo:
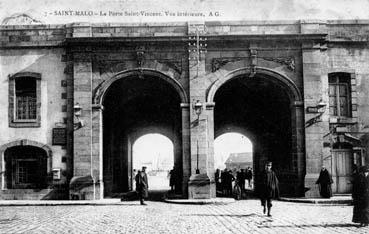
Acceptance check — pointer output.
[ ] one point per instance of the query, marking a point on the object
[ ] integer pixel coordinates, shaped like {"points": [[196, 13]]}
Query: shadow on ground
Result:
{"points": [[224, 215], [311, 225], [154, 195]]}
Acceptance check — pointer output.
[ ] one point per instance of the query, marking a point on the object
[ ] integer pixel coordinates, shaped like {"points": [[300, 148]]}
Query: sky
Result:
{"points": [[229, 143], [156, 148], [122, 11]]}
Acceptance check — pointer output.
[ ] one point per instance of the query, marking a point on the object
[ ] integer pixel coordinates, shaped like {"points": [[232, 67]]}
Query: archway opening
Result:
{"points": [[155, 152], [262, 107], [233, 155], [134, 106]]}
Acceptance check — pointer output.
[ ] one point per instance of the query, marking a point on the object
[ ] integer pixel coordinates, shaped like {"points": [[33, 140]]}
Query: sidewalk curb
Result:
{"points": [[217, 201], [60, 203], [322, 201]]}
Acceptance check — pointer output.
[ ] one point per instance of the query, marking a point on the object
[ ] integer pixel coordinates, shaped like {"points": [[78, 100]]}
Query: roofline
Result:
{"points": [[185, 23]]}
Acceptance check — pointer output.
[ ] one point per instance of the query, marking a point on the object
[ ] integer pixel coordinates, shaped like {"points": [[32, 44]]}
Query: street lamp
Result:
{"points": [[321, 106], [77, 110], [77, 113], [197, 107]]}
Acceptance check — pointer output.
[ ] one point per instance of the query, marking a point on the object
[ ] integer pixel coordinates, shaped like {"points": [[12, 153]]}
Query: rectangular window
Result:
{"points": [[26, 171], [25, 100], [25, 92], [339, 96]]}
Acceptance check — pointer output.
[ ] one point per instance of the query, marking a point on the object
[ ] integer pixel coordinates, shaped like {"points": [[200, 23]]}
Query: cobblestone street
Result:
{"points": [[239, 217]]}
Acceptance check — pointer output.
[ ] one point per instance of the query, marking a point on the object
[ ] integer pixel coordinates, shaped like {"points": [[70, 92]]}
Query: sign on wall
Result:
{"points": [[59, 136]]}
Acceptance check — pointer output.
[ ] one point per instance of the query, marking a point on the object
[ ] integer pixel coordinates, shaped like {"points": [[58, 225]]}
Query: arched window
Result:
{"points": [[24, 100]]}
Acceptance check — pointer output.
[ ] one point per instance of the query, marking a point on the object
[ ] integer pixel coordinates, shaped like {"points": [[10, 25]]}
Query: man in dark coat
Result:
{"points": [[241, 179], [142, 185], [325, 181], [269, 188], [248, 176], [217, 179], [229, 178], [172, 179], [360, 196], [223, 179]]}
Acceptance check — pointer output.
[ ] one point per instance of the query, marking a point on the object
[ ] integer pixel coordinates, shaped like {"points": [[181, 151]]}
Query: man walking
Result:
{"points": [[269, 188], [142, 185]]}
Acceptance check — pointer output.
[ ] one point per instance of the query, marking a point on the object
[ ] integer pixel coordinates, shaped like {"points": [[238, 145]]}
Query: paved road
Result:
{"points": [[240, 217]]}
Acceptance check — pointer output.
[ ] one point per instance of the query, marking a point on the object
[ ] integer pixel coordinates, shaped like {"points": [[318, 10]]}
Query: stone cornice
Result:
{"points": [[335, 31]]}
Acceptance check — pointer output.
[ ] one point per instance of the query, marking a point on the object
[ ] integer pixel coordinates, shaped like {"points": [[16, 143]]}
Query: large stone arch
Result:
{"points": [[121, 139], [294, 93], [24, 142], [297, 162], [100, 90]]}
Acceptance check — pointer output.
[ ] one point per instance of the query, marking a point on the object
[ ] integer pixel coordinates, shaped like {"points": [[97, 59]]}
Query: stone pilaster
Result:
{"points": [[199, 185], [97, 148], [298, 142], [316, 122], [186, 150], [87, 136]]}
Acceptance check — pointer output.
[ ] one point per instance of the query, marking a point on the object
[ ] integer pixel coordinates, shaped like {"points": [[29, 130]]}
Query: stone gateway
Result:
{"points": [[298, 89]]}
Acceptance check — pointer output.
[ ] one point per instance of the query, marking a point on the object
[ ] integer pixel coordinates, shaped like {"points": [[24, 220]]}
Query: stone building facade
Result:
{"points": [[74, 98]]}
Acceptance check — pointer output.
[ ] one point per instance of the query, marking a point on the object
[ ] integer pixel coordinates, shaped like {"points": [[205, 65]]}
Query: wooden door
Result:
{"points": [[342, 161]]}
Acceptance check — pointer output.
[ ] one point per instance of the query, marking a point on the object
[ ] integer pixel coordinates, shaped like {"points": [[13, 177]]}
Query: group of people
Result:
{"points": [[142, 185], [224, 179], [360, 192], [269, 187]]}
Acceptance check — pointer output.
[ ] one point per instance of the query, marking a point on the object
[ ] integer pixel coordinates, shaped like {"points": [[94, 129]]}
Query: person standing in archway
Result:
{"points": [[324, 181], [269, 188], [172, 179], [217, 179], [241, 180], [142, 185], [248, 176]]}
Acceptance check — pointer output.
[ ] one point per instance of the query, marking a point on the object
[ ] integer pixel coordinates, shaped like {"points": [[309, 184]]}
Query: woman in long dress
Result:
{"points": [[324, 181]]}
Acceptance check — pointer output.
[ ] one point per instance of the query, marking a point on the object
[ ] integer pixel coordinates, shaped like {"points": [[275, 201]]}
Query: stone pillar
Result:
{"points": [[199, 185], [87, 136], [68, 71], [210, 145], [186, 151], [97, 149], [316, 120], [298, 156]]}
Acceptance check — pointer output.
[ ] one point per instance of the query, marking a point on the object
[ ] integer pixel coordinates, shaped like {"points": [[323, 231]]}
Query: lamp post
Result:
{"points": [[321, 106], [77, 113], [197, 107]]}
